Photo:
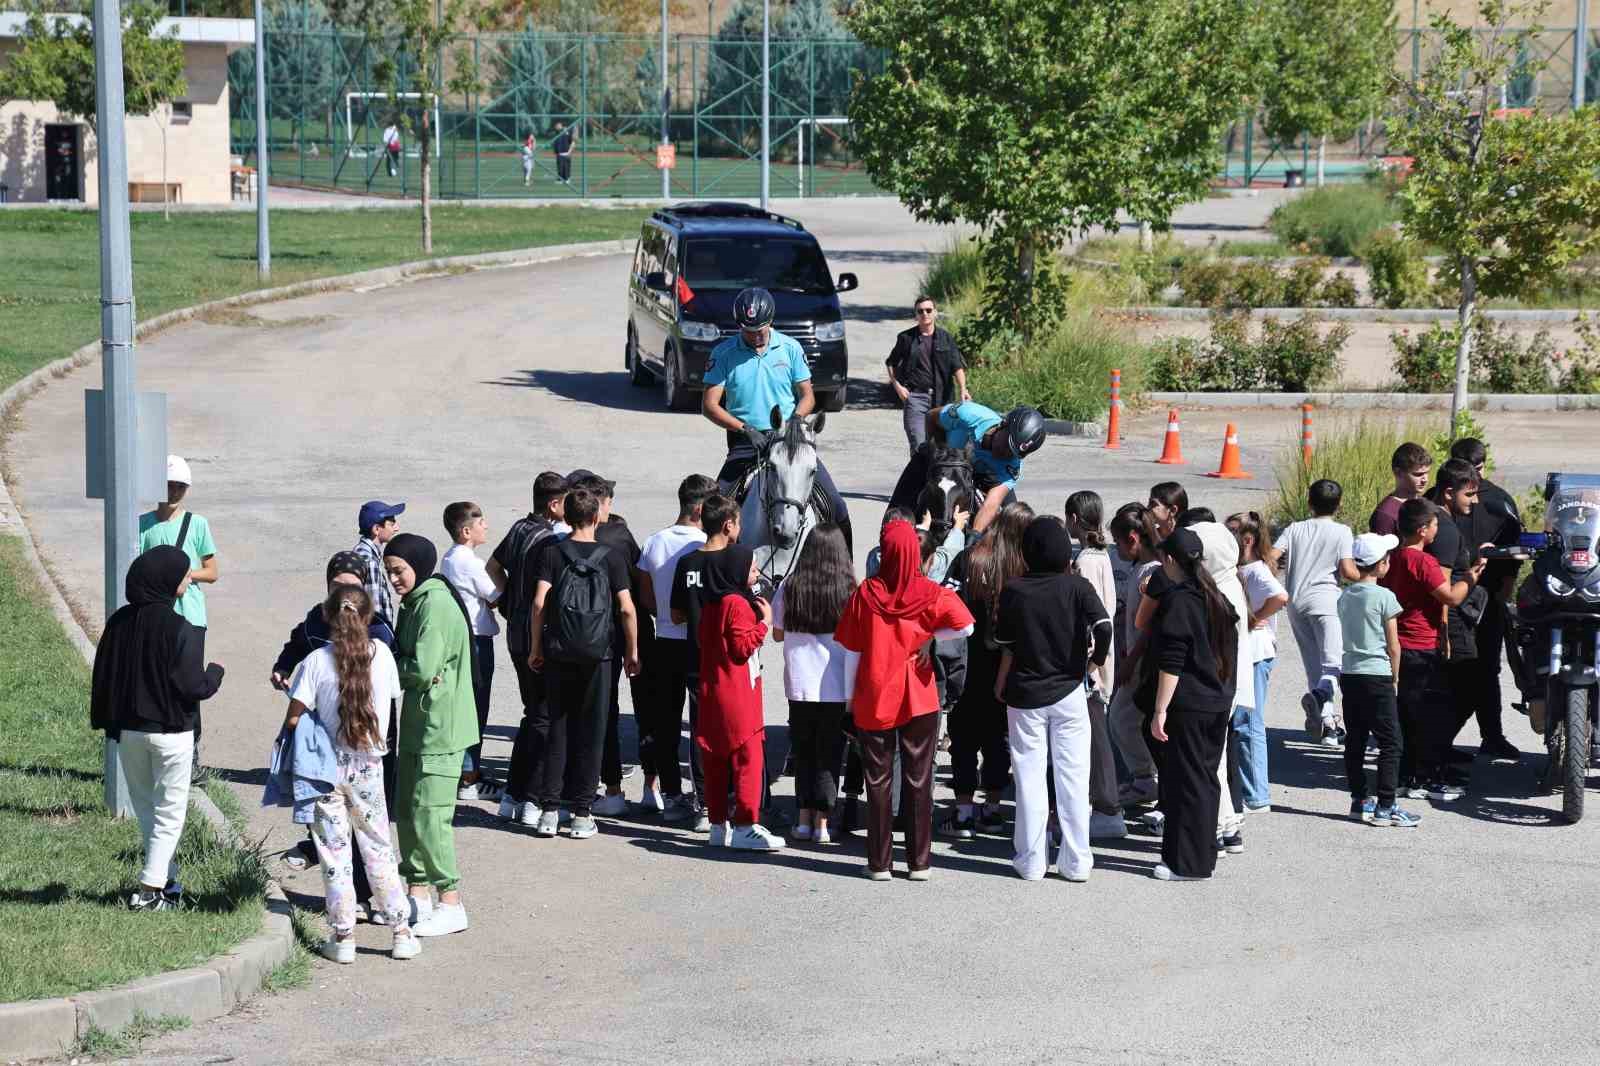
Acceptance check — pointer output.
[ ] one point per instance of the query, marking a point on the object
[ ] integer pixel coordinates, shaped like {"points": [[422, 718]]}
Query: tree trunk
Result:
{"points": [[427, 166], [1147, 237], [1026, 254], [1322, 155], [1464, 328]]}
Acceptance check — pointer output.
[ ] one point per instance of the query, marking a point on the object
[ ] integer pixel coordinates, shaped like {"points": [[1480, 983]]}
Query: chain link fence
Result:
{"points": [[327, 112]]}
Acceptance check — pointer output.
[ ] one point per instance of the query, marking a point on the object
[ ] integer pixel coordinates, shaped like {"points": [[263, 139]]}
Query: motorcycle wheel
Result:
{"points": [[1575, 760]]}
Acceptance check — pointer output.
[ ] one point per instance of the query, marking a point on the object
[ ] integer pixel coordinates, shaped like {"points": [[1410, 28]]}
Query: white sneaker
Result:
{"points": [[548, 823], [508, 808], [821, 836], [651, 802], [609, 806], [406, 946], [1163, 872], [754, 838], [719, 835], [1154, 822], [341, 951], [421, 908], [1107, 826], [528, 814], [446, 918], [481, 789]]}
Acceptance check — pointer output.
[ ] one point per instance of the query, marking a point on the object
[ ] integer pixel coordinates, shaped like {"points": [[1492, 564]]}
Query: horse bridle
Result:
{"points": [[773, 502]]}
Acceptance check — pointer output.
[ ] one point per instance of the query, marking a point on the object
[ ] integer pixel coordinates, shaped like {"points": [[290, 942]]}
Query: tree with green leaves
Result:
{"points": [[427, 62], [1035, 119], [1509, 200], [1329, 68], [56, 63]]}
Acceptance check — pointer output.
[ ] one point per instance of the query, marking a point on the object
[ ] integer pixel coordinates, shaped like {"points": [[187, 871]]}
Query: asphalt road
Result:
{"points": [[1460, 941]]}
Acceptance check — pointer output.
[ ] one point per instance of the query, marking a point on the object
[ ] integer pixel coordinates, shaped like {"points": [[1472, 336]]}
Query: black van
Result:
{"points": [[691, 261]]}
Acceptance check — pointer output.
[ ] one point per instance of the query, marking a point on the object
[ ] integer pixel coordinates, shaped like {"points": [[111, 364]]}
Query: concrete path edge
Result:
{"points": [[1380, 401], [1398, 316], [43, 1027]]}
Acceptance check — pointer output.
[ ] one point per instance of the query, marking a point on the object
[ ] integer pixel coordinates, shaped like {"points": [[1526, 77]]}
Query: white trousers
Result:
{"points": [[1046, 740], [156, 767]]}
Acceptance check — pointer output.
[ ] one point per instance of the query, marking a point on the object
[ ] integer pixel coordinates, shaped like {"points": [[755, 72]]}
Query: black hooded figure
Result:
{"points": [[150, 675]]}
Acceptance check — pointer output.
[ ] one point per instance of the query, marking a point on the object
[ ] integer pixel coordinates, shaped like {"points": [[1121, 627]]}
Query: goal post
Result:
{"points": [[800, 142], [395, 99]]}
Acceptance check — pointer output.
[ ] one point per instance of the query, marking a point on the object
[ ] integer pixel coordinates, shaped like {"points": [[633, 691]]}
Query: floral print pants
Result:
{"points": [[355, 814]]}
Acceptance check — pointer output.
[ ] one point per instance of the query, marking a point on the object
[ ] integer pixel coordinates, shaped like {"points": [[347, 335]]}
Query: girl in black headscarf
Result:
{"points": [[149, 678]]}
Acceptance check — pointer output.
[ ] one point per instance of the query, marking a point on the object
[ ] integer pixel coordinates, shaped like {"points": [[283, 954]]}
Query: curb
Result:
{"points": [[1399, 316], [1057, 427], [1381, 401], [38, 1028]]}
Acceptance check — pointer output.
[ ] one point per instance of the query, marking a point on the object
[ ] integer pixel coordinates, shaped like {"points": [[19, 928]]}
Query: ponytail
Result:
{"points": [[1249, 522], [1135, 518], [1222, 622], [1088, 510], [348, 612]]}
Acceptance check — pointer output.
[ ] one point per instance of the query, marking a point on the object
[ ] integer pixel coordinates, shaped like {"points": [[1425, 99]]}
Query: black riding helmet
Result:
{"points": [[1024, 429], [754, 309]]}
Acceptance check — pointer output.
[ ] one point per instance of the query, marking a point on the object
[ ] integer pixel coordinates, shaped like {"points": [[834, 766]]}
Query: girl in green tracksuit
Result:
{"points": [[438, 722]]}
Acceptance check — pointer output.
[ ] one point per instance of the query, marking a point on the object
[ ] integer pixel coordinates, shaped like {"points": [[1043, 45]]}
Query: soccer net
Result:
{"points": [[368, 111]]}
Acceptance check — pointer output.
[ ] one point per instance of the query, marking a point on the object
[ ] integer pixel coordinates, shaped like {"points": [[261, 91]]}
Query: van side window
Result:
{"points": [[653, 244], [638, 256], [670, 265]]}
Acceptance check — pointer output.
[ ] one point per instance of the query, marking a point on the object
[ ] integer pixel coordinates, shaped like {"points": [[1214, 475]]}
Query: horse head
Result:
{"points": [[950, 484], [791, 473]]}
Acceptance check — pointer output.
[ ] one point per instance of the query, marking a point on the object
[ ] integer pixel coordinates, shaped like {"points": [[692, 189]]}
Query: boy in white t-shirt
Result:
{"points": [[527, 160], [661, 724], [479, 590], [1318, 550]]}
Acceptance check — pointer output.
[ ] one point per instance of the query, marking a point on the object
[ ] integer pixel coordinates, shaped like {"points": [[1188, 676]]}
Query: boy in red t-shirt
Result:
{"points": [[1425, 592]]}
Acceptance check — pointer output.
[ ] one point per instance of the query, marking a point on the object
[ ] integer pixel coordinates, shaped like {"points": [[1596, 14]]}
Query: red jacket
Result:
{"points": [[730, 684], [891, 688]]}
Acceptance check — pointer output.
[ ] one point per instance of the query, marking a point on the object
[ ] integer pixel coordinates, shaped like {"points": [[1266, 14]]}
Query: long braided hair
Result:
{"points": [[348, 612]]}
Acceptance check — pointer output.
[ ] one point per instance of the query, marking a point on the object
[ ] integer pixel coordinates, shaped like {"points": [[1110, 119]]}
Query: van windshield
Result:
{"points": [[774, 263]]}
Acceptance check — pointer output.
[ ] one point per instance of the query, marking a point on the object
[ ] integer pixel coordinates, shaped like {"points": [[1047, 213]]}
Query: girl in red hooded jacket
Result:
{"points": [[889, 621], [730, 730]]}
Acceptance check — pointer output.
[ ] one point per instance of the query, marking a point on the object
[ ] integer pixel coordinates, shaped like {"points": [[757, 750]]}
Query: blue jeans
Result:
{"points": [[1252, 727]]}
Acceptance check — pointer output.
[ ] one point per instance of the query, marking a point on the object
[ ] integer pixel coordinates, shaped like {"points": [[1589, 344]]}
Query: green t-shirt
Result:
{"points": [[198, 545], [1364, 607]]}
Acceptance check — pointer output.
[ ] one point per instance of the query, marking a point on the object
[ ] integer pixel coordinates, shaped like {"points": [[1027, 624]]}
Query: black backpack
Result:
{"points": [[578, 615], [518, 596]]}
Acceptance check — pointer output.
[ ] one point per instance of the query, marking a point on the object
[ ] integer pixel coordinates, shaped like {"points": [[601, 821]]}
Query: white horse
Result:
{"points": [[780, 507]]}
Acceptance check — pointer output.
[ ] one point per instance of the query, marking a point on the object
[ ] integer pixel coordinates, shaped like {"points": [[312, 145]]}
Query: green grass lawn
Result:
{"points": [[50, 269], [65, 865]]}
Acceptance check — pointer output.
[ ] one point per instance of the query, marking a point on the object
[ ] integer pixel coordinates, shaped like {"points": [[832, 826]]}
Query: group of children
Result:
{"points": [[1099, 667]]}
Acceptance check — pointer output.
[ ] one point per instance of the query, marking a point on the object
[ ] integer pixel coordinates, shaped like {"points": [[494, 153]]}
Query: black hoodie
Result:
{"points": [[149, 668]]}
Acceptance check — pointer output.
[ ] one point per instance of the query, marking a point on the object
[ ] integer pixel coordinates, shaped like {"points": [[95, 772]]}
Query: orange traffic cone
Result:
{"points": [[1230, 466], [1172, 450]]}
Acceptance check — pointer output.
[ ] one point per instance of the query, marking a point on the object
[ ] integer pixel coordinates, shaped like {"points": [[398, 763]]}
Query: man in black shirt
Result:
{"points": [[926, 370], [515, 561], [1455, 493], [1496, 521], [578, 693], [719, 516], [562, 146]]}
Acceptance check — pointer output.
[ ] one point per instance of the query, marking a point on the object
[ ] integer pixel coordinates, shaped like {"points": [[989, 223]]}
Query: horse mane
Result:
{"points": [[795, 437]]}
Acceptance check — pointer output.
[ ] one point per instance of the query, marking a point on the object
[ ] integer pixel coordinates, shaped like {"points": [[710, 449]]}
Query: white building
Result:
{"points": [[47, 157]]}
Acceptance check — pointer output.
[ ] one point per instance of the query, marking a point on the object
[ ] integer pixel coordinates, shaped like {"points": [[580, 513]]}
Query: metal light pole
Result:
{"points": [[766, 107], [263, 238], [1580, 56], [120, 412], [666, 175]]}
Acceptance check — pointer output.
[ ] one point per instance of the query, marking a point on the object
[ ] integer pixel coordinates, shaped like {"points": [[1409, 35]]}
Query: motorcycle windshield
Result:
{"points": [[1573, 520]]}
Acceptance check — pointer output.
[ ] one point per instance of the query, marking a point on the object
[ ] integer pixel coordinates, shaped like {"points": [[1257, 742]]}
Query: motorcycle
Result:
{"points": [[1556, 622]]}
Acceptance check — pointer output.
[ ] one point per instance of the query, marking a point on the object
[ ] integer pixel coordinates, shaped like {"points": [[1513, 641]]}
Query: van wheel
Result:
{"points": [[673, 392], [638, 376], [833, 402]]}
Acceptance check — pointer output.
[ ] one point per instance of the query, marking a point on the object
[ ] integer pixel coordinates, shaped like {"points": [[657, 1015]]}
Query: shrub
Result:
{"points": [[1303, 282], [1288, 357], [956, 270], [1338, 291], [1335, 219], [1579, 367], [1205, 283], [1501, 361], [1396, 271], [1065, 374], [1296, 357], [1255, 284], [1356, 455]]}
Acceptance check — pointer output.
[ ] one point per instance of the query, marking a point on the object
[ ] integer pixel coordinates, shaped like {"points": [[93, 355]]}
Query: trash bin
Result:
{"points": [[1294, 179]]}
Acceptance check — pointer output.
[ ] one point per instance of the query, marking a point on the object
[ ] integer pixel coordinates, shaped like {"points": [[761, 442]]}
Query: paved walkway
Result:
{"points": [[1325, 940]]}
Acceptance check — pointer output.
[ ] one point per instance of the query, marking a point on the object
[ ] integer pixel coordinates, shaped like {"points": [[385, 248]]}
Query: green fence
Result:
{"points": [[327, 113]]}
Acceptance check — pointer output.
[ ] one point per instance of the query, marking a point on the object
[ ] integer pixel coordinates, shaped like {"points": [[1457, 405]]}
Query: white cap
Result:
{"points": [[1370, 547], [178, 470]]}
